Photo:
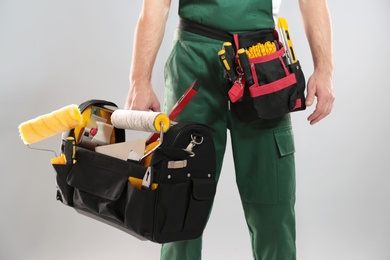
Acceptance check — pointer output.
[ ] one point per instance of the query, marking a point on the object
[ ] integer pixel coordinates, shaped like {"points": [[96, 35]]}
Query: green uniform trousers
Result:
{"points": [[263, 151]]}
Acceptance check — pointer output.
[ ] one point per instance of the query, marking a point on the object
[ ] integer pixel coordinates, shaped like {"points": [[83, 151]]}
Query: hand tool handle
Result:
{"points": [[286, 39], [229, 51], [70, 150], [148, 121], [227, 64], [245, 65]]}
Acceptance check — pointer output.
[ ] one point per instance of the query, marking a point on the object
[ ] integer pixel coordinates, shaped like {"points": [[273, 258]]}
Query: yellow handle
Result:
{"points": [[283, 26], [137, 183]]}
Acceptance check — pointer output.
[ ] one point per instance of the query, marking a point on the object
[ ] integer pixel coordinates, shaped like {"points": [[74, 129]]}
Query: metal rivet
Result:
{"points": [[189, 175], [209, 175], [169, 176]]}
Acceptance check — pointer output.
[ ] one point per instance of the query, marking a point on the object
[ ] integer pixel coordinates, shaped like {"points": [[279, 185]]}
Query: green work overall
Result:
{"points": [[263, 150]]}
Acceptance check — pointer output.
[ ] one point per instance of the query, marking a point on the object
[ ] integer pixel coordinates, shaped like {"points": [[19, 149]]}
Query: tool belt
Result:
{"points": [[167, 200], [267, 86]]}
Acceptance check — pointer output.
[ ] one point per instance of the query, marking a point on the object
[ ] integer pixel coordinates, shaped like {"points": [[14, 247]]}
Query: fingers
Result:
{"points": [[144, 104], [142, 99], [323, 108], [155, 106], [323, 89]]}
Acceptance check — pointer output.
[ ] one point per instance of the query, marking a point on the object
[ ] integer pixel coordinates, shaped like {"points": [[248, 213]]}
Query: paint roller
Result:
{"points": [[47, 125], [151, 121], [140, 120]]}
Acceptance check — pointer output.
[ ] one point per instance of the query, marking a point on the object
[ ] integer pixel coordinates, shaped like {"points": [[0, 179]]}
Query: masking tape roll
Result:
{"points": [[140, 120], [45, 126]]}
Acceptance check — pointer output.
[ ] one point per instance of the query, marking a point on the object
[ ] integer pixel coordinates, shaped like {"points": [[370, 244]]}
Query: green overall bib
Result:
{"points": [[263, 150]]}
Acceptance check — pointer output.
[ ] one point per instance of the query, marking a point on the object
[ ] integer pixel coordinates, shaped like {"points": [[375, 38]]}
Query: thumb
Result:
{"points": [[310, 94]]}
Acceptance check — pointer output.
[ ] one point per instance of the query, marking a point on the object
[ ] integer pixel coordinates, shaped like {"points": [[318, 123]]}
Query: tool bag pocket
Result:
{"points": [[172, 212], [187, 186], [278, 89], [64, 191], [96, 183]]}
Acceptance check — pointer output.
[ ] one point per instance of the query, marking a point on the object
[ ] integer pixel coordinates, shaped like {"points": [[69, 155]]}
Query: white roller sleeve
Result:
{"points": [[140, 120]]}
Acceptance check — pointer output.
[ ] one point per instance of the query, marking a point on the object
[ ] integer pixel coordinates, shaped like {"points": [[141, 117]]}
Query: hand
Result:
{"points": [[320, 86], [142, 98]]}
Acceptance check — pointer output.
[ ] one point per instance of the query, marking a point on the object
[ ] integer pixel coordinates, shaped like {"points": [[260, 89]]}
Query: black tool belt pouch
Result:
{"points": [[176, 205], [276, 88]]}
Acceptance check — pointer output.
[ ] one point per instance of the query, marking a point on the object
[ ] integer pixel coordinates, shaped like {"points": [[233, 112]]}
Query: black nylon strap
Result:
{"points": [[200, 29], [246, 39]]}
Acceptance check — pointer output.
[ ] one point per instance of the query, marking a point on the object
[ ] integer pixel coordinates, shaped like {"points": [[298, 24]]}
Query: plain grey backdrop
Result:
{"points": [[56, 53]]}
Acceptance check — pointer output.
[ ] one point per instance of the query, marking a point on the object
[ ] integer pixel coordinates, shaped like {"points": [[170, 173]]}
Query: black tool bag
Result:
{"points": [[177, 191]]}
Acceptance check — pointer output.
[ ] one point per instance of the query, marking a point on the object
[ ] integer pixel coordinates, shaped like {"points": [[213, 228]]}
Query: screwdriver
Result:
{"points": [[229, 51], [227, 64], [245, 65], [70, 150]]}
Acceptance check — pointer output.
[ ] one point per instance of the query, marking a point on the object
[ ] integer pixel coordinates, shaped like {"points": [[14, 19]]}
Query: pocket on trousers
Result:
{"points": [[286, 164]]}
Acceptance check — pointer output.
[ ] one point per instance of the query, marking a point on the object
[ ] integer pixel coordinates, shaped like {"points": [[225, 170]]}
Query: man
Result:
{"points": [[263, 150]]}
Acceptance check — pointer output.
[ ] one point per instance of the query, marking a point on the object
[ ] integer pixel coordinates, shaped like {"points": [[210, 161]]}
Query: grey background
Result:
{"points": [[56, 53]]}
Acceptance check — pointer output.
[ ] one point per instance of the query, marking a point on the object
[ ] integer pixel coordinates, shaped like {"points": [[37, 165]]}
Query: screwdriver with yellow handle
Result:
{"points": [[229, 51], [70, 150], [286, 39], [227, 64]]}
